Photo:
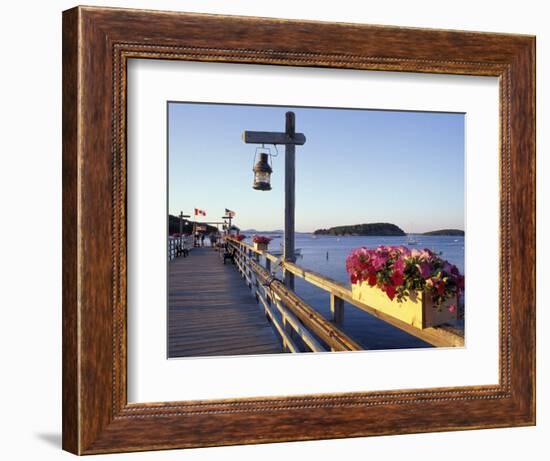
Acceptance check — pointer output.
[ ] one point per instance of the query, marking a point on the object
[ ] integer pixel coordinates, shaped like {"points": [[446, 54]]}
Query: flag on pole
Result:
{"points": [[229, 213], [199, 212]]}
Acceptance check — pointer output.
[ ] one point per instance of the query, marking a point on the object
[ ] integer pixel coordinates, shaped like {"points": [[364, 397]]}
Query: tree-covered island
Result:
{"points": [[385, 229]]}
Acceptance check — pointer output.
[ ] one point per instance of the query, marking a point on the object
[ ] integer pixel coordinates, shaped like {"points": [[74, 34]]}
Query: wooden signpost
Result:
{"points": [[225, 222], [181, 220], [290, 139]]}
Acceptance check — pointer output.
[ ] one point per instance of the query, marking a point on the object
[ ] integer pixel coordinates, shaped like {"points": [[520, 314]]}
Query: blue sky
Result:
{"points": [[357, 166]]}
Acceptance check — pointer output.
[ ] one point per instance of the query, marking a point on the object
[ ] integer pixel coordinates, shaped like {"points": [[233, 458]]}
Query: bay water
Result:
{"points": [[327, 256]]}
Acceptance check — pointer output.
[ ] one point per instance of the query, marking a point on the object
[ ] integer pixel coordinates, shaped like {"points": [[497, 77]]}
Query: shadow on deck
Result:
{"points": [[211, 311]]}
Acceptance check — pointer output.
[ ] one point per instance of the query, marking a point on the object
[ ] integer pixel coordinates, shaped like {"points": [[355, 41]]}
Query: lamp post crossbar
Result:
{"points": [[273, 137]]}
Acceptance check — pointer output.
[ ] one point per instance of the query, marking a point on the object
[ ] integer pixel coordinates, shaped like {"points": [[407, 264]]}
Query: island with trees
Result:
{"points": [[383, 229], [451, 232]]}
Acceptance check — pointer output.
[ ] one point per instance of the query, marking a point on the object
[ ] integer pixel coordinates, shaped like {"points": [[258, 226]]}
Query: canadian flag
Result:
{"points": [[199, 212]]}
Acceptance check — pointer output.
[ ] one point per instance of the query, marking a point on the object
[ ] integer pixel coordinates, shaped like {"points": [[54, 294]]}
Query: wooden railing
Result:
{"points": [[247, 259], [299, 326], [179, 246]]}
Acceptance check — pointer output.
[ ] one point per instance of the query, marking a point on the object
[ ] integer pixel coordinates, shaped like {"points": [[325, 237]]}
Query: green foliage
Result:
{"points": [[385, 229]]}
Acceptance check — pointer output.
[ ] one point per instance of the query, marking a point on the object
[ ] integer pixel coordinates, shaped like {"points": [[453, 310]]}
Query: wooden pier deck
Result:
{"points": [[211, 311]]}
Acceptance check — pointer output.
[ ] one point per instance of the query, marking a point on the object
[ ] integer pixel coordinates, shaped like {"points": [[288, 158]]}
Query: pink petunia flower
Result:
{"points": [[399, 266], [379, 261], [425, 269], [440, 279], [397, 278], [390, 291]]}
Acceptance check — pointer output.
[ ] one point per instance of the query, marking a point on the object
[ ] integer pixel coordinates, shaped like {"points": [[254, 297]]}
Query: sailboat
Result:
{"points": [[411, 240]]}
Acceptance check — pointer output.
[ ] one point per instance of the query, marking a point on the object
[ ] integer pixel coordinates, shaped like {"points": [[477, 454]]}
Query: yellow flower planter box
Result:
{"points": [[260, 246], [417, 311]]}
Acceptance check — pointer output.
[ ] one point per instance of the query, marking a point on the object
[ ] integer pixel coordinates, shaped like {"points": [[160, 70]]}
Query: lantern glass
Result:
{"points": [[262, 173], [262, 180]]}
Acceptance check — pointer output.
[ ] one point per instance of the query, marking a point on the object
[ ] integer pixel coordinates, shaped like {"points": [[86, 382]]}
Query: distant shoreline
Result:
{"points": [[441, 233], [357, 235], [449, 232]]}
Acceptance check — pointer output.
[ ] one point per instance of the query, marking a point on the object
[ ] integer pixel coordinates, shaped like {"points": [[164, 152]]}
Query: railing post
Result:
{"points": [[241, 257], [289, 330], [267, 294], [256, 288], [337, 309]]}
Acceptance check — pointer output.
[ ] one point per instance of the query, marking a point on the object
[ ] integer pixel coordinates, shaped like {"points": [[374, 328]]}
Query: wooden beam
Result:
{"points": [[337, 309], [298, 327], [286, 338], [272, 137], [290, 189], [335, 338]]}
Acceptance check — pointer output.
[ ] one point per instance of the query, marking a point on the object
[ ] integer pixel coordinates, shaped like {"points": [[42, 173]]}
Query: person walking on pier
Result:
{"points": [[213, 239]]}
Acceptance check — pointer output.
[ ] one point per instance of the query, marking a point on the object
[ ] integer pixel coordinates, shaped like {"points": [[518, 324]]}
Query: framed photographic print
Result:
{"points": [[284, 230]]}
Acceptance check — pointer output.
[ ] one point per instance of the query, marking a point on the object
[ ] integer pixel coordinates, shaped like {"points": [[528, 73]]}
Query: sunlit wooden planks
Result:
{"points": [[211, 312]]}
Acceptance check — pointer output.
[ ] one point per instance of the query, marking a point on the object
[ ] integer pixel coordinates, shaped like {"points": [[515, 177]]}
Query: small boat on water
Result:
{"points": [[297, 252], [411, 240]]}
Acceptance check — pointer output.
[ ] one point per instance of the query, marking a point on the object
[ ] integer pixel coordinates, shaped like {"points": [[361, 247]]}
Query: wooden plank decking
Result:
{"points": [[211, 311]]}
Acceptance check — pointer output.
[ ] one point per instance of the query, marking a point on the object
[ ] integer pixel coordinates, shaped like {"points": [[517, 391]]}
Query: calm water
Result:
{"points": [[327, 255]]}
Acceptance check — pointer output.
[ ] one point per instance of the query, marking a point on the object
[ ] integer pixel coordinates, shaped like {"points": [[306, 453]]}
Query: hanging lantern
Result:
{"points": [[262, 173]]}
